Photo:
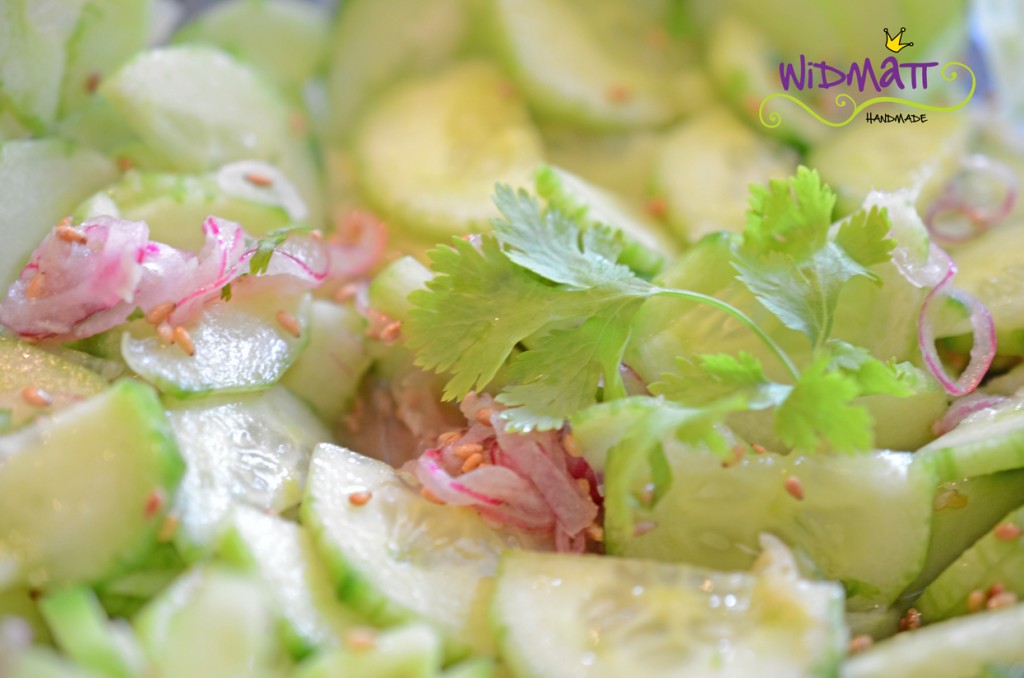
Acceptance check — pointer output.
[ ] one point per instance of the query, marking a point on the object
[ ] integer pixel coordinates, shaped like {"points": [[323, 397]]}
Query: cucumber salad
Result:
{"points": [[473, 338]]}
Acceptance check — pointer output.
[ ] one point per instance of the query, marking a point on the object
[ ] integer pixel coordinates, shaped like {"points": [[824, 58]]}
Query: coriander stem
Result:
{"points": [[739, 315]]}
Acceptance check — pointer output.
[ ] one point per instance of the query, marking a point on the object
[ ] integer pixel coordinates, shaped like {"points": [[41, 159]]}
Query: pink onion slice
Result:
{"points": [[963, 408], [983, 349], [960, 198], [357, 244]]}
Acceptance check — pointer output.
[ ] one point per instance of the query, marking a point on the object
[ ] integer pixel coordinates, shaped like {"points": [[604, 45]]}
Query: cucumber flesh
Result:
{"points": [[390, 289], [399, 556], [284, 557], [409, 651], [250, 449], [239, 346], [957, 648], [567, 616], [42, 662], [430, 151], [83, 493]]}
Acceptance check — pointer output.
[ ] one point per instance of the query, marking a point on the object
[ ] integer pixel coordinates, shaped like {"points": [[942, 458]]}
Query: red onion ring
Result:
{"points": [[979, 217]]}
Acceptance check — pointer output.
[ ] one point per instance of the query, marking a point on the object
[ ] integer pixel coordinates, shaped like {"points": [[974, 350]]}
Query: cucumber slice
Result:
{"points": [[480, 667], [566, 616], [410, 651], [108, 33], [34, 37], [996, 558], [239, 346], [285, 39], [328, 373], [82, 494], [705, 167], [23, 366], [568, 73], [84, 634], [399, 556], [390, 289], [377, 42], [211, 623], [97, 125], [951, 649], [42, 662], [41, 181], [283, 555], [987, 441], [249, 449], [124, 595], [174, 206], [19, 608], [431, 150], [199, 108], [842, 523]]}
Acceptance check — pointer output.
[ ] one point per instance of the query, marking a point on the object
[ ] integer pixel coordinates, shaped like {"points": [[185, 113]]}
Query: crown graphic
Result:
{"points": [[894, 43]]}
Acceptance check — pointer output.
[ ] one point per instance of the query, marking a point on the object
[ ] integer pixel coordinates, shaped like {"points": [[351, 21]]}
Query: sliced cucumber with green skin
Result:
{"points": [[400, 556], [963, 512], [85, 634], [41, 181], [957, 648], [567, 72], [97, 125], [429, 152], [390, 289], [377, 42], [83, 493], [285, 39], [842, 522], [480, 667], [410, 651], [174, 206], [649, 246], [705, 167], [42, 662], [61, 381], [239, 346], [124, 595], [988, 441], [567, 616], [250, 449], [283, 555], [211, 623], [328, 373], [996, 558], [108, 33]]}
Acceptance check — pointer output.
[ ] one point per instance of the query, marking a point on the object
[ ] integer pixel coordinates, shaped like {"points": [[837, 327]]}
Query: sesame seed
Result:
{"points": [[159, 313], [71, 235], [949, 498], [183, 339], [794, 487], [167, 529], [910, 621], [584, 485], [153, 503], [92, 82], [390, 332], [657, 207], [35, 396], [317, 235], [34, 289], [165, 332], [643, 527], [570, 445], [346, 293], [1007, 532], [66, 221], [448, 437], [619, 94], [290, 323], [360, 498], [257, 179], [468, 450], [759, 449], [125, 164], [483, 416], [976, 600], [995, 589], [1001, 600], [860, 643], [361, 639], [472, 462], [595, 532], [430, 496], [297, 123]]}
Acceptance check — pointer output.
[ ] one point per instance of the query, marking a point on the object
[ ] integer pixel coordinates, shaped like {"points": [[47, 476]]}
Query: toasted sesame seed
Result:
{"points": [[361, 639], [346, 293], [759, 449], [619, 94], [794, 487], [257, 179], [570, 445], [297, 123], [1007, 532], [167, 529], [159, 313], [657, 207], [92, 82], [183, 339], [595, 532], [949, 498], [468, 450], [317, 235], [125, 164], [165, 332], [976, 600], [584, 486], [34, 289], [448, 437], [995, 589], [1001, 600], [643, 527], [154, 502], [430, 496], [483, 416], [35, 396], [860, 643], [290, 323], [910, 621], [472, 461], [66, 221], [390, 332], [360, 498]]}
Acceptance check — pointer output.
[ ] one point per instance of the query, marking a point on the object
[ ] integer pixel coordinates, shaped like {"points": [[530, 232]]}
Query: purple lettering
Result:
{"points": [[861, 75], [891, 73], [827, 70], [787, 74]]}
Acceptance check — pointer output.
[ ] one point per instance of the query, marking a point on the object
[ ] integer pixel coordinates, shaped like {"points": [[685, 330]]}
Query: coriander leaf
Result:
{"points": [[819, 412], [552, 245], [872, 375], [475, 310], [720, 376], [864, 238], [562, 372], [225, 292], [790, 216], [137, 314]]}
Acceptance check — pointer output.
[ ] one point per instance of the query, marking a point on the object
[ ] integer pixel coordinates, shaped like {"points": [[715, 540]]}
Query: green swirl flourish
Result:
{"points": [[949, 74]]}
